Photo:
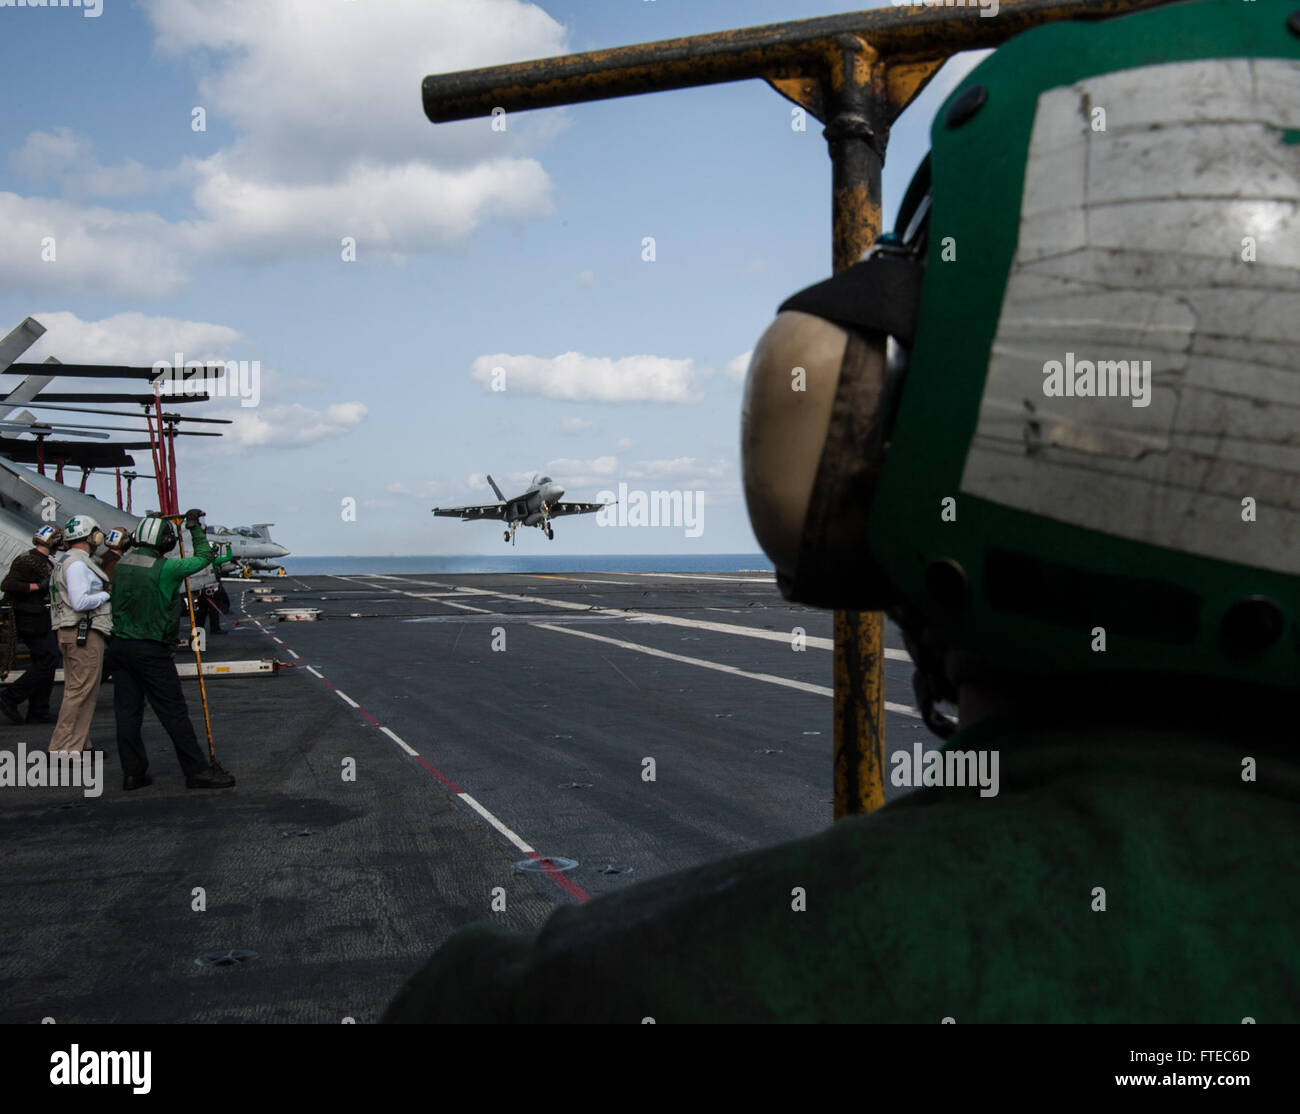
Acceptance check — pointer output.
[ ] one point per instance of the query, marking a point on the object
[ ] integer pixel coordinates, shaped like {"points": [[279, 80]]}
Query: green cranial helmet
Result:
{"points": [[156, 532], [1083, 454]]}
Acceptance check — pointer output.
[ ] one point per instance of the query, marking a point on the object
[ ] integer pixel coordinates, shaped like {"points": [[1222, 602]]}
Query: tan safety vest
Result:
{"points": [[61, 611]]}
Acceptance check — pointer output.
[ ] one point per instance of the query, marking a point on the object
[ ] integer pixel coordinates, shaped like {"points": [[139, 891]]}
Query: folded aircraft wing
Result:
{"points": [[467, 514], [557, 509]]}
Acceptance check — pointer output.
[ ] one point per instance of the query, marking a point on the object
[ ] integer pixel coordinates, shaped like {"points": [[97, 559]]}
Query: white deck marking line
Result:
{"points": [[346, 698], [471, 607], [400, 742], [294, 652], [769, 678], [814, 641], [500, 827], [315, 673], [769, 579], [587, 579], [674, 621]]}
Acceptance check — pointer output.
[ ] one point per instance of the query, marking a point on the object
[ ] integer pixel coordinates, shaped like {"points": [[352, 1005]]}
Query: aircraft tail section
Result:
{"points": [[496, 489], [263, 530]]}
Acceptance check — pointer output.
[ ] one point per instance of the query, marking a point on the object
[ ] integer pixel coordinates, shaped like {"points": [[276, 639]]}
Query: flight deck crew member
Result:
{"points": [[146, 614], [26, 589], [117, 541], [1095, 561], [210, 611], [83, 620]]}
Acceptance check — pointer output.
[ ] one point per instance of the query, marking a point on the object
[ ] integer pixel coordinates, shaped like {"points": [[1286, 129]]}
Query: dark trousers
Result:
{"points": [[145, 670], [37, 681], [210, 617]]}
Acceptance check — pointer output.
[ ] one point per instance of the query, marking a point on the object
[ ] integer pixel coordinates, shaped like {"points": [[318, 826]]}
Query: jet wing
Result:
{"points": [[468, 514], [557, 509]]}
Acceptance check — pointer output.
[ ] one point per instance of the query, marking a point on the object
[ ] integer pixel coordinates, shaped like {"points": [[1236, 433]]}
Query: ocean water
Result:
{"points": [[649, 562]]}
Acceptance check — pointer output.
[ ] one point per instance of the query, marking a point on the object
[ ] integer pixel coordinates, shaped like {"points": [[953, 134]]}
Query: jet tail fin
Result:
{"points": [[263, 530], [496, 489]]}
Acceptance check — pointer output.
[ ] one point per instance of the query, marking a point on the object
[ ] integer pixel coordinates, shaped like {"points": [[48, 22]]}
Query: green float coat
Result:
{"points": [[145, 603], [948, 904]]}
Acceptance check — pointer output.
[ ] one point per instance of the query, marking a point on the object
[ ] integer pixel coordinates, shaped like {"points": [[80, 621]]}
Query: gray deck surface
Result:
{"points": [[548, 736]]}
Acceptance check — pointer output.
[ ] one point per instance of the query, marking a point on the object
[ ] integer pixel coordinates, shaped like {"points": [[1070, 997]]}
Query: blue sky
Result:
{"points": [[474, 249]]}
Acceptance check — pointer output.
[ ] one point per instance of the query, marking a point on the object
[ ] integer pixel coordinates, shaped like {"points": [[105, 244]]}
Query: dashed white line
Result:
{"points": [[500, 827], [400, 742], [346, 698], [315, 673]]}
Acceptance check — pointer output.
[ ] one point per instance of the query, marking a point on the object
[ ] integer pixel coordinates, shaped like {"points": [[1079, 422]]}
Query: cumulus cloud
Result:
{"points": [[736, 369], [129, 338], [330, 141], [66, 159], [312, 88], [52, 245], [409, 207], [291, 426], [578, 378]]}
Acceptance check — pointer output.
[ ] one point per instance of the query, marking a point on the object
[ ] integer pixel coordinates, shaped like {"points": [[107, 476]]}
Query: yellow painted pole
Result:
{"points": [[857, 131], [198, 656]]}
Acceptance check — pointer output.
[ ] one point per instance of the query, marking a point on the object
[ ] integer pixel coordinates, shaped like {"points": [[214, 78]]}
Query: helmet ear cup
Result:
{"points": [[813, 449], [835, 568]]}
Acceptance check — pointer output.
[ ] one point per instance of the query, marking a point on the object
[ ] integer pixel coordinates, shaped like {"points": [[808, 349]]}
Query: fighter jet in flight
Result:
{"points": [[535, 507]]}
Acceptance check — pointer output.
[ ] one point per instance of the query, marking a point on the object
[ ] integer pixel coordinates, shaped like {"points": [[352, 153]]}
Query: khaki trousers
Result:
{"points": [[82, 669]]}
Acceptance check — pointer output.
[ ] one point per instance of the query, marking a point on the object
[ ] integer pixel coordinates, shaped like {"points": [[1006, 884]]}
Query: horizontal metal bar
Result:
{"points": [[774, 50]]}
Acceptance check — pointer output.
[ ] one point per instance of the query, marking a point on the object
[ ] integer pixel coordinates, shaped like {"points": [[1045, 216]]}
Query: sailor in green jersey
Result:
{"points": [[146, 620], [1073, 487]]}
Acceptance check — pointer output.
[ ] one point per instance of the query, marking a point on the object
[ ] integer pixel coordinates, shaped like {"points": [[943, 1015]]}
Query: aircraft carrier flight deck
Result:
{"points": [[434, 750]]}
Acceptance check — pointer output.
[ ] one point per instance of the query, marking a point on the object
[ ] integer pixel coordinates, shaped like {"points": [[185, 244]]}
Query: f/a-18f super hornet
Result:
{"points": [[251, 546], [535, 507]]}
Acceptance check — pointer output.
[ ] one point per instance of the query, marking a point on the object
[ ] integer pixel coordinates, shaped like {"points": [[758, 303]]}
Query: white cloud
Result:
{"points": [[67, 160], [290, 426], [578, 378], [331, 141], [575, 425], [736, 369], [409, 207], [313, 88], [129, 338], [585, 278], [94, 248], [510, 482]]}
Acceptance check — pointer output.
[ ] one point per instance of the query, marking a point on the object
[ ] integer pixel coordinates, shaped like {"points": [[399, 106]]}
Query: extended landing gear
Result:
{"points": [[510, 534], [550, 533]]}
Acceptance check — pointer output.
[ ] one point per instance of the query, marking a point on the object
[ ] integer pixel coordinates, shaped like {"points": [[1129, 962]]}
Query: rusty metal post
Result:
{"points": [[857, 132], [856, 72]]}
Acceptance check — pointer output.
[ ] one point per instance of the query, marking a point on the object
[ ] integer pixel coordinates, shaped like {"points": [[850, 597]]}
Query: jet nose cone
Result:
{"points": [[280, 551]]}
